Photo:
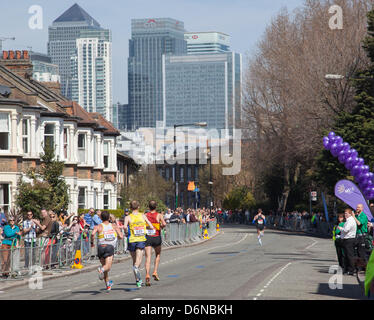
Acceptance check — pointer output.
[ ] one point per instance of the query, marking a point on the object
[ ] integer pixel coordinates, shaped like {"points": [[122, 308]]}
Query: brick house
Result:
{"points": [[33, 114]]}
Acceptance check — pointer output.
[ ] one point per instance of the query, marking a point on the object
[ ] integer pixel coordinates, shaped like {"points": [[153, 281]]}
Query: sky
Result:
{"points": [[244, 20]]}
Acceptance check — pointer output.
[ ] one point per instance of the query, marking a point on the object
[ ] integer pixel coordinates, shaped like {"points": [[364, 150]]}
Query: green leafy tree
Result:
{"points": [[239, 198], [48, 188], [356, 127]]}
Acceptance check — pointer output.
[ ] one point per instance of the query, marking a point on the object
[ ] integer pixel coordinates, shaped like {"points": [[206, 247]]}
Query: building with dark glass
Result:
{"points": [[203, 88], [150, 39]]}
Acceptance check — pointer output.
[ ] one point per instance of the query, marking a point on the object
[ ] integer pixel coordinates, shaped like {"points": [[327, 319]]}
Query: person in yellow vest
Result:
{"points": [[107, 240], [137, 223]]}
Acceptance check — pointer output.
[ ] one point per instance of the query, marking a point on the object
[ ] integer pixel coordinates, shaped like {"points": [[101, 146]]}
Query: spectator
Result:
{"points": [[97, 218], [338, 241], [29, 232], [44, 230], [175, 218], [362, 229], [348, 234], [53, 241], [12, 233], [88, 218], [3, 220]]}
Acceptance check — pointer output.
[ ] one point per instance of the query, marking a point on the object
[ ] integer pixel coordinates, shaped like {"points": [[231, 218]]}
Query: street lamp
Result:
{"points": [[196, 124]]}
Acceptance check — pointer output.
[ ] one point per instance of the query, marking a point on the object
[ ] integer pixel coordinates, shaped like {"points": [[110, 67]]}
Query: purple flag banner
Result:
{"points": [[348, 192]]}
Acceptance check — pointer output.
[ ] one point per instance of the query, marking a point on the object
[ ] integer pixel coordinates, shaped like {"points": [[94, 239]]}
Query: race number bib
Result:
{"points": [[151, 232], [139, 231], [260, 221], [109, 235]]}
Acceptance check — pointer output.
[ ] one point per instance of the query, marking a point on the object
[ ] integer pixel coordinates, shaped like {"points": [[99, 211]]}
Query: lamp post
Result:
{"points": [[196, 124]]}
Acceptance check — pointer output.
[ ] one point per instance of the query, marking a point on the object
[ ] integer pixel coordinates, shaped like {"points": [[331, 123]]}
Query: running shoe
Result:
{"points": [[139, 283], [109, 285], [148, 281], [155, 276], [101, 273]]}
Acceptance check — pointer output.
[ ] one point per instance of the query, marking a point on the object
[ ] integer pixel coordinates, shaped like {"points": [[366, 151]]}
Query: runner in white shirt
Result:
{"points": [[348, 234]]}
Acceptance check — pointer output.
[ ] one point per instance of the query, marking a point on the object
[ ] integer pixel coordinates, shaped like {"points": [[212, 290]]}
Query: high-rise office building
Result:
{"points": [[150, 39], [203, 88], [91, 73], [43, 68], [73, 24], [207, 42]]}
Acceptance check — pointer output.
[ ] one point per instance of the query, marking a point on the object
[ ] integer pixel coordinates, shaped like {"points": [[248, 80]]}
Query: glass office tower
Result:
{"points": [[203, 88], [150, 39], [207, 42], [62, 36]]}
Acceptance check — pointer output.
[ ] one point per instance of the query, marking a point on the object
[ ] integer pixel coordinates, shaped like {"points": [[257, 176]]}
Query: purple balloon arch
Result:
{"points": [[349, 157]]}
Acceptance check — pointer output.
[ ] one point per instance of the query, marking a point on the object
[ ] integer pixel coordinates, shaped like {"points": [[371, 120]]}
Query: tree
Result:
{"points": [[48, 188], [356, 127], [288, 102], [239, 198], [147, 185]]}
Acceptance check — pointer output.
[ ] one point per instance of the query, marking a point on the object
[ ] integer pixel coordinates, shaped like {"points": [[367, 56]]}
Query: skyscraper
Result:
{"points": [[91, 73], [207, 42], [150, 39], [203, 88], [82, 51]]}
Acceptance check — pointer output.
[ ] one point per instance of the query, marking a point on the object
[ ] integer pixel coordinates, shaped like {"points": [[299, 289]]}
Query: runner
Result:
{"points": [[260, 221], [107, 240], [153, 240], [137, 222]]}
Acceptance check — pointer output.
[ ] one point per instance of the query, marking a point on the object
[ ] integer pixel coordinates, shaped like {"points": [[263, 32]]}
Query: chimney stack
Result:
{"points": [[17, 62]]}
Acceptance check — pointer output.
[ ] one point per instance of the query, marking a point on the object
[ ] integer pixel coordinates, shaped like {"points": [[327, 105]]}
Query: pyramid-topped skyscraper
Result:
{"points": [[76, 41]]}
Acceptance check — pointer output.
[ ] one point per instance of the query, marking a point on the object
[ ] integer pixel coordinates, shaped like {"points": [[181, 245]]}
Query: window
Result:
{"points": [[106, 199], [25, 135], [95, 151], [82, 198], [49, 135], [4, 197], [4, 131], [106, 154], [81, 148], [66, 143], [95, 198]]}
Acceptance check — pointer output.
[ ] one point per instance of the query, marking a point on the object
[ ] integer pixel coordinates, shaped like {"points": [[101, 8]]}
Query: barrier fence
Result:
{"points": [[58, 253], [321, 228]]}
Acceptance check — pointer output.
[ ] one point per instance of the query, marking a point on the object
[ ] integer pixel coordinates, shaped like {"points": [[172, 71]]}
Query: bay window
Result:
{"points": [[4, 131], [82, 148], [49, 135], [25, 135], [106, 154], [82, 198]]}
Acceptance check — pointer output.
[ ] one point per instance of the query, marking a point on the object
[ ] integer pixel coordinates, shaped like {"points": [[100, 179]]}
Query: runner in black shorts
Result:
{"points": [[153, 241], [107, 240], [260, 221]]}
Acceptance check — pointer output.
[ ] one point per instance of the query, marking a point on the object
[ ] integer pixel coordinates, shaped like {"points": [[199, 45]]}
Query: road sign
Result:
{"points": [[313, 195]]}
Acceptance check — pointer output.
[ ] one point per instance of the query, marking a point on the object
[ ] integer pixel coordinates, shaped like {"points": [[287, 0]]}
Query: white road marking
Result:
{"points": [[274, 277], [313, 244]]}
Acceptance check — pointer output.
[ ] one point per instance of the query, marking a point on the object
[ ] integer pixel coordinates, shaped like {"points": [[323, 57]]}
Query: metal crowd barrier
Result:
{"points": [[58, 253], [182, 233], [321, 228]]}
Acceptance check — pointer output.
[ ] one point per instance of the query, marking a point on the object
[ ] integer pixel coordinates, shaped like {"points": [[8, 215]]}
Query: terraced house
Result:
{"points": [[33, 114]]}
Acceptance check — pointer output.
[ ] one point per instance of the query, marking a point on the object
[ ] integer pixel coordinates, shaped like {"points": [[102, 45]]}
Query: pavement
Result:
{"points": [[230, 266]]}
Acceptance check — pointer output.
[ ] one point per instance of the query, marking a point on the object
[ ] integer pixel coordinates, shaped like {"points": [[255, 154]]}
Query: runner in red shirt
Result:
{"points": [[153, 240]]}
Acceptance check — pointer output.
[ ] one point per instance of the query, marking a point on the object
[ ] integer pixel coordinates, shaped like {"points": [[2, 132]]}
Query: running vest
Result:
{"points": [[108, 235], [260, 221], [137, 228], [152, 217]]}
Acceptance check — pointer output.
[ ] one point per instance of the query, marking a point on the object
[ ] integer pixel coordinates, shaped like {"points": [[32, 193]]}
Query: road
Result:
{"points": [[230, 266]]}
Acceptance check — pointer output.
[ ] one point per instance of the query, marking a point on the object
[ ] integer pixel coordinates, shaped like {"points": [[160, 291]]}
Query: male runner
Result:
{"points": [[137, 222], [260, 221], [107, 240], [153, 240]]}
